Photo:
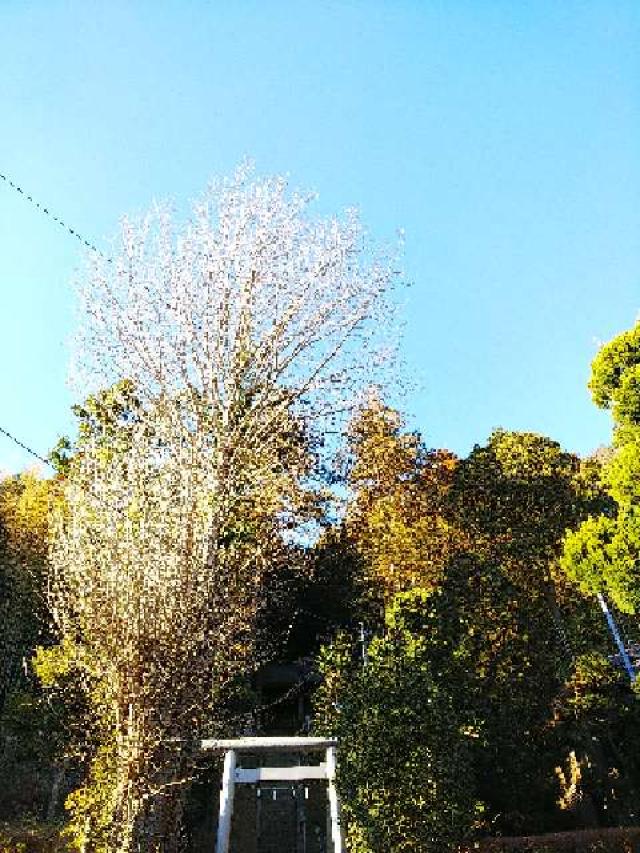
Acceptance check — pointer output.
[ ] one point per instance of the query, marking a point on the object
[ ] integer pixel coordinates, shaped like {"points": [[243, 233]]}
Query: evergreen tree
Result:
{"points": [[603, 555]]}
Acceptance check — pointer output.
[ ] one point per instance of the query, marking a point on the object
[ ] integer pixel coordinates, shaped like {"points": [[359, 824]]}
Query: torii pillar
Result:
{"points": [[233, 775]]}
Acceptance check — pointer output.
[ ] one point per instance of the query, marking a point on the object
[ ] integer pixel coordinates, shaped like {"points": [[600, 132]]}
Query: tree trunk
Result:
{"points": [[158, 826], [58, 779]]}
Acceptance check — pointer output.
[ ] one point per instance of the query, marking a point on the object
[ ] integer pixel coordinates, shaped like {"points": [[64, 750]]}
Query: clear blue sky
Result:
{"points": [[504, 137]]}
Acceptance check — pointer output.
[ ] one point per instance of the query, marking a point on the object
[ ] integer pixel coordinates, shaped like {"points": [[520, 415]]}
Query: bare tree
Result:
{"points": [[245, 334]]}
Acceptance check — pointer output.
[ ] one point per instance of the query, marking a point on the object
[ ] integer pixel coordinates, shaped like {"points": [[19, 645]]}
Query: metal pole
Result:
{"points": [[226, 802], [618, 639], [363, 645], [334, 806]]}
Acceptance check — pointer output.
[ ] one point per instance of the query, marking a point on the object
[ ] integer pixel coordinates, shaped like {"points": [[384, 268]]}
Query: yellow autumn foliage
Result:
{"points": [[397, 516]]}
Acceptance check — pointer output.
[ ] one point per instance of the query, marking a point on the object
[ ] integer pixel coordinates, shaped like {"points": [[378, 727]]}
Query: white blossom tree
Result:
{"points": [[247, 335]]}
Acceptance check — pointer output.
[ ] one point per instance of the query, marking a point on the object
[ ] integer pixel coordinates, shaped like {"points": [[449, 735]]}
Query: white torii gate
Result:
{"points": [[233, 776]]}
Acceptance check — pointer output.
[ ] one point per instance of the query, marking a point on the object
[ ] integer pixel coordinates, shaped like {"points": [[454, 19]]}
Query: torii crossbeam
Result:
{"points": [[233, 775]]}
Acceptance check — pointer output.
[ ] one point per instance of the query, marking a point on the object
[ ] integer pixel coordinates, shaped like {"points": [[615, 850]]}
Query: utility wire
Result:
{"points": [[26, 447], [61, 222], [85, 242], [74, 233]]}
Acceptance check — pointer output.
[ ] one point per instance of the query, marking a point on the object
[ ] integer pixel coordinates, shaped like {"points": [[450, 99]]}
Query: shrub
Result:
{"points": [[32, 838], [403, 764]]}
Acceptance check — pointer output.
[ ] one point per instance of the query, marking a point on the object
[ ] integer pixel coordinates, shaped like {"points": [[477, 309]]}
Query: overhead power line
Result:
{"points": [[74, 233], [45, 210], [26, 447]]}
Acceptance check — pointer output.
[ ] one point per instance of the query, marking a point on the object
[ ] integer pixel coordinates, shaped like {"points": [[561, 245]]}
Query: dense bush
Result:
{"points": [[404, 769], [31, 838]]}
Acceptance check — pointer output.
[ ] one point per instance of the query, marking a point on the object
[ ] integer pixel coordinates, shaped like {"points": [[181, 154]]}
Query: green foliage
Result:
{"points": [[502, 622], [73, 686], [613, 366], [91, 806], [587, 556], [404, 768], [597, 717], [107, 418], [504, 633], [35, 726], [32, 730], [24, 521], [32, 838], [603, 556], [52, 665], [503, 660], [73, 683], [63, 671], [515, 497]]}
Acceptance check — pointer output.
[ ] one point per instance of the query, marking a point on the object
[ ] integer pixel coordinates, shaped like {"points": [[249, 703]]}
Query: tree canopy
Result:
{"points": [[603, 555]]}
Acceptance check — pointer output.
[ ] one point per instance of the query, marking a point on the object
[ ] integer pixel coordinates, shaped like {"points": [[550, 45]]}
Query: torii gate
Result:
{"points": [[233, 776]]}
